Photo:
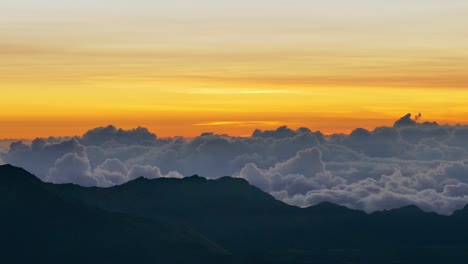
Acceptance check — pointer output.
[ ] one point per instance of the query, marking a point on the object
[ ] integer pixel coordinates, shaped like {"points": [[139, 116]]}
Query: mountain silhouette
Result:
{"points": [[37, 226], [224, 220]]}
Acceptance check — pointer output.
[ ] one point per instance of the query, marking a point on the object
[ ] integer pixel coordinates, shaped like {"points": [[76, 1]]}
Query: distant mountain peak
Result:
{"points": [[228, 179], [195, 177], [9, 167], [327, 204], [409, 209], [328, 207], [9, 172]]}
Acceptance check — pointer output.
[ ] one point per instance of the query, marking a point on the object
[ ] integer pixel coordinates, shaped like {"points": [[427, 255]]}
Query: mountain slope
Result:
{"points": [[238, 217], [37, 226], [249, 222]]}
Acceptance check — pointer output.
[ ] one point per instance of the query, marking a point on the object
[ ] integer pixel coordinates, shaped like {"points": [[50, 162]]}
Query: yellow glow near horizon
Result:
{"points": [[174, 113], [183, 68]]}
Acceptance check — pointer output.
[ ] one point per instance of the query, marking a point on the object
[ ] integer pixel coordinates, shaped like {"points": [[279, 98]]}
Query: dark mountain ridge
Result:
{"points": [[230, 215], [37, 226]]}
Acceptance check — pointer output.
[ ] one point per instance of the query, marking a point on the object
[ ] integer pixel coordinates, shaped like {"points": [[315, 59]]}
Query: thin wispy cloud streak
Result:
{"points": [[238, 123], [241, 91]]}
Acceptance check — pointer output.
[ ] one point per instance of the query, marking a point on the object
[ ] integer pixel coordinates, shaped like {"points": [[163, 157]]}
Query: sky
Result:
{"points": [[183, 67]]}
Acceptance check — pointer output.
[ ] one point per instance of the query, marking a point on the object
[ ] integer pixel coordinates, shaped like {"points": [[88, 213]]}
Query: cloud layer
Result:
{"points": [[423, 164]]}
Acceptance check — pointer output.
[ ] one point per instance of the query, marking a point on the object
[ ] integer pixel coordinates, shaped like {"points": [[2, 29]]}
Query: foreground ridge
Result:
{"points": [[227, 220]]}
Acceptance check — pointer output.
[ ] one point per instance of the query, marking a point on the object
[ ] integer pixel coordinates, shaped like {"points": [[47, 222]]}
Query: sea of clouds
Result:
{"points": [[423, 164]]}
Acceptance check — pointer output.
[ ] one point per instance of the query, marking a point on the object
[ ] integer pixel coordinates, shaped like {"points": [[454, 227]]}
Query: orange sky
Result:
{"points": [[182, 68]]}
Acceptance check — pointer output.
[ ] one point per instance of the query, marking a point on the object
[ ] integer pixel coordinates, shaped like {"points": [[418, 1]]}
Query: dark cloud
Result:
{"points": [[112, 136], [39, 156], [285, 132], [280, 132], [405, 121], [410, 163]]}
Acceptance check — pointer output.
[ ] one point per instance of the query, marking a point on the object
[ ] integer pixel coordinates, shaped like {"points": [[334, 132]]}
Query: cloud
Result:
{"points": [[150, 172], [425, 164], [111, 135], [240, 91], [430, 191], [72, 168], [405, 121], [238, 123], [5, 144], [39, 156], [113, 171], [301, 173]]}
